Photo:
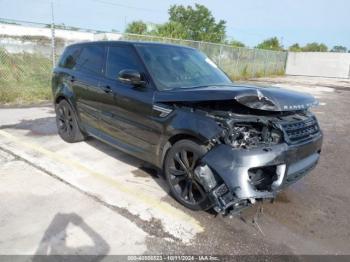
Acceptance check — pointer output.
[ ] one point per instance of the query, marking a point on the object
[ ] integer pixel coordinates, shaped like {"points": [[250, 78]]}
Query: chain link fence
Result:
{"points": [[26, 57], [237, 62], [25, 69]]}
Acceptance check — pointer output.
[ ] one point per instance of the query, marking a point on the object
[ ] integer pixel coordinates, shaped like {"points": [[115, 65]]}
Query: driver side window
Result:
{"points": [[119, 58]]}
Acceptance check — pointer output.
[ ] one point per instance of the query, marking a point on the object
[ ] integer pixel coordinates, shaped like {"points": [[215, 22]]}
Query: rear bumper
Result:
{"points": [[290, 162]]}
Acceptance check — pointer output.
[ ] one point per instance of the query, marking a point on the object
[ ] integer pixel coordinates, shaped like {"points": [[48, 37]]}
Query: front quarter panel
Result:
{"points": [[188, 123], [192, 123]]}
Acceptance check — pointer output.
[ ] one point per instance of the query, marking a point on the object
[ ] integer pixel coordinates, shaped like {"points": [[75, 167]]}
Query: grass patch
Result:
{"points": [[24, 78]]}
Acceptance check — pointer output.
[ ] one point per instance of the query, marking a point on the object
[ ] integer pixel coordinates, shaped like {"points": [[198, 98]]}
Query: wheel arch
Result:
{"points": [[177, 137], [64, 91], [59, 98], [69, 97], [188, 125], [181, 136]]}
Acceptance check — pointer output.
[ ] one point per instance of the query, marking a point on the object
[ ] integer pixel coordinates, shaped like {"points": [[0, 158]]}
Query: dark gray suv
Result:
{"points": [[220, 145]]}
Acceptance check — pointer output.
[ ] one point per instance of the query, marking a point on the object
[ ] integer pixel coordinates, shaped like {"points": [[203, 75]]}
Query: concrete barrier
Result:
{"points": [[20, 30], [318, 64]]}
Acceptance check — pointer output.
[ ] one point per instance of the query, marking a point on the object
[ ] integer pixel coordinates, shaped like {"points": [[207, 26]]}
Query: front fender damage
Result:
{"points": [[252, 153], [233, 167], [237, 178]]}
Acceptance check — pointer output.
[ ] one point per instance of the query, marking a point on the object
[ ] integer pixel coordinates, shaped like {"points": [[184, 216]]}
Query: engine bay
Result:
{"points": [[247, 134]]}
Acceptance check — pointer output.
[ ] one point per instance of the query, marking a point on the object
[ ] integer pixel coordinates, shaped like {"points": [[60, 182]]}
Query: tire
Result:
{"points": [[67, 124], [180, 162]]}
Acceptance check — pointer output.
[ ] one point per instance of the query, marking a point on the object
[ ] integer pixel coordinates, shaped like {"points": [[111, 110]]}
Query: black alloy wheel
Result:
{"points": [[67, 124], [179, 165]]}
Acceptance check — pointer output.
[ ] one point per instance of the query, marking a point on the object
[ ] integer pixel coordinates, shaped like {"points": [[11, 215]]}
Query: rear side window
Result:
{"points": [[119, 58], [91, 59], [69, 58]]}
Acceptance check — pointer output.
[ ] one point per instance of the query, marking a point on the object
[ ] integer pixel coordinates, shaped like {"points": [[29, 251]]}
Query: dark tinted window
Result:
{"points": [[69, 57], [91, 59], [119, 58]]}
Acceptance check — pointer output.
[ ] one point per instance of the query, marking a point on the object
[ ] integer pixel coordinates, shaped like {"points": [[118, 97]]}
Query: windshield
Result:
{"points": [[180, 67]]}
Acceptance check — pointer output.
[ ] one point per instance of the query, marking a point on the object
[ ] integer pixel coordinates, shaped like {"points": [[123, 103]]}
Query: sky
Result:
{"points": [[249, 21]]}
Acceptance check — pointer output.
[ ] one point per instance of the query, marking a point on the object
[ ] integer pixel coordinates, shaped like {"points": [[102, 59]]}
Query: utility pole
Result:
{"points": [[53, 49], [282, 41]]}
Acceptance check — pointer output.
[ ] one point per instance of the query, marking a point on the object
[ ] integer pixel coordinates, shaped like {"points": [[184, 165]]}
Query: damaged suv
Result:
{"points": [[220, 145]]}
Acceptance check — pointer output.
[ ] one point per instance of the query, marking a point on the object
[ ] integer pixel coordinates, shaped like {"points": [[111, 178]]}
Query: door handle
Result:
{"points": [[107, 89]]}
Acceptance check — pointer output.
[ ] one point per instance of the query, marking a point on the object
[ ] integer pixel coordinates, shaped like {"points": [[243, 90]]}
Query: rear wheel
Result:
{"points": [[67, 123], [179, 165]]}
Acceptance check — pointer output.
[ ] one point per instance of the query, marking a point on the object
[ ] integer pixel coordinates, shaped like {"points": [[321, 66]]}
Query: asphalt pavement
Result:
{"points": [[89, 198]]}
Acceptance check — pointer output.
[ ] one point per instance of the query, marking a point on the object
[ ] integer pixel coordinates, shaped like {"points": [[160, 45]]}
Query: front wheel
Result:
{"points": [[67, 123], [179, 165]]}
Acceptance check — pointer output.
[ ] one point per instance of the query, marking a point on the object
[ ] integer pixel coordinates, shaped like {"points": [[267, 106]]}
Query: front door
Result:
{"points": [[128, 118]]}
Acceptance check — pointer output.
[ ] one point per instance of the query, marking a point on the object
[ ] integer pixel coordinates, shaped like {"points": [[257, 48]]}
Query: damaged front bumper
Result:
{"points": [[248, 175]]}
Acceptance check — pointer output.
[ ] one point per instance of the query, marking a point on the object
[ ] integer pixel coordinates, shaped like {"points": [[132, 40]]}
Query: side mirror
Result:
{"points": [[131, 77]]}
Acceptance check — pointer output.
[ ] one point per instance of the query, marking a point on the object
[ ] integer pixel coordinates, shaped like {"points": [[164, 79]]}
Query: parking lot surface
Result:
{"points": [[89, 198]]}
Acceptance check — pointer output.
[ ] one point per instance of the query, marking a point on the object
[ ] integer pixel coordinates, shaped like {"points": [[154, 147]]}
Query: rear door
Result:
{"points": [[128, 118], [86, 85]]}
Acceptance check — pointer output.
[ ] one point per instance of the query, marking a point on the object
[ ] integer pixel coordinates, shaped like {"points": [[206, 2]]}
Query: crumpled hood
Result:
{"points": [[261, 98]]}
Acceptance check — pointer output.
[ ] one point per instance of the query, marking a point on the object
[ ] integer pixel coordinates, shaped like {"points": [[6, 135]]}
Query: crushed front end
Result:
{"points": [[256, 156]]}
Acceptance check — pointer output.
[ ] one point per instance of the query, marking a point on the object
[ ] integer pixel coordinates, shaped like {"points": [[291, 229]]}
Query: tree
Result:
{"points": [[236, 43], [270, 44], [136, 27], [196, 23], [295, 48], [315, 47], [171, 29], [339, 49]]}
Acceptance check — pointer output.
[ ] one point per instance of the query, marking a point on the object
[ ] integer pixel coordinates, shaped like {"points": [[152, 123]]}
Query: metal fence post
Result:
{"points": [[254, 65], [220, 54], [53, 49]]}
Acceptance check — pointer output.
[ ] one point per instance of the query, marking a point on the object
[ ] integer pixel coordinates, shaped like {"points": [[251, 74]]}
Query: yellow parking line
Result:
{"points": [[146, 199]]}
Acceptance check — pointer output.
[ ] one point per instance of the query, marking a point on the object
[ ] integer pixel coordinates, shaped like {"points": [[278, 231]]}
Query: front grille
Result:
{"points": [[302, 130]]}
